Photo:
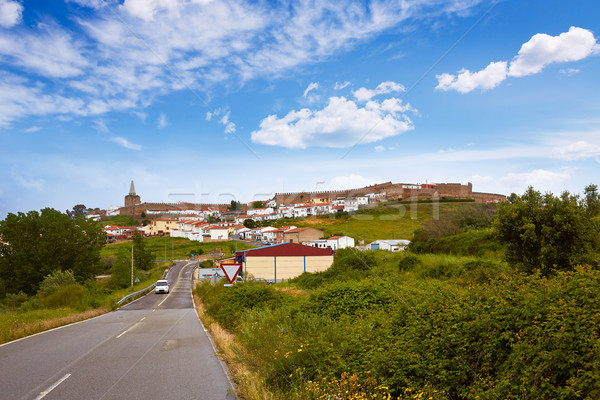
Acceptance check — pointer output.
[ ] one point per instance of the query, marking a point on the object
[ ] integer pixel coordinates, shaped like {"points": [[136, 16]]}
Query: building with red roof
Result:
{"points": [[283, 261]]}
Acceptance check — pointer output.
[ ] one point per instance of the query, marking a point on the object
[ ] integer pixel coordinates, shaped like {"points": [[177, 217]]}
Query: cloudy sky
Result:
{"points": [[208, 101]]}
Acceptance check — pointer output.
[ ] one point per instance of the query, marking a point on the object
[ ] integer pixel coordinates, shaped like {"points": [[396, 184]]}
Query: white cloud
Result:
{"points": [[33, 129], [161, 122], [311, 86], [340, 86], [379, 148], [121, 55], [579, 150], [537, 178], [100, 125], [569, 71], [18, 99], [125, 143], [47, 50], [342, 123], [364, 94], [466, 81], [542, 49], [539, 51], [28, 183], [11, 13]]}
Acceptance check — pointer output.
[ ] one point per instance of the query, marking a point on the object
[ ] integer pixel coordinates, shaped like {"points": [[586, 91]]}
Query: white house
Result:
{"points": [[112, 211], [302, 211], [351, 205], [340, 242], [334, 242], [392, 245], [285, 212], [213, 232], [260, 211], [362, 200]]}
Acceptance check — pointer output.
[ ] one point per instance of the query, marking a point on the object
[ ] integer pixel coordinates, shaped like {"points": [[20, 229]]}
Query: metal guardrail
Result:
{"points": [[139, 291]]}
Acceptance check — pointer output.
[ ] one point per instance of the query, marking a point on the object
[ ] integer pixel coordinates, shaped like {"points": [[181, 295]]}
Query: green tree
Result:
{"points": [[78, 210], [121, 269], [250, 223], [544, 232], [258, 204], [591, 200], [234, 206], [39, 243], [142, 257]]}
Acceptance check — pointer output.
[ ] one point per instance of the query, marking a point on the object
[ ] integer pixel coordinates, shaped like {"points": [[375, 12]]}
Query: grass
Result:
{"points": [[395, 221], [18, 323], [247, 382], [15, 325]]}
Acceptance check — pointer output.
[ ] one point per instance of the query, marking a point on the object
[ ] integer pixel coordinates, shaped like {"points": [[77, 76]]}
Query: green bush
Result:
{"points": [[409, 263], [14, 300], [71, 295], [352, 298], [228, 305], [55, 281]]}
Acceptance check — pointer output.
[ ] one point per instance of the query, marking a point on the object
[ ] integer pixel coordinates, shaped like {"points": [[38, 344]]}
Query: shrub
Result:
{"points": [[351, 298], [409, 263], [228, 306], [55, 281], [14, 300], [71, 295]]}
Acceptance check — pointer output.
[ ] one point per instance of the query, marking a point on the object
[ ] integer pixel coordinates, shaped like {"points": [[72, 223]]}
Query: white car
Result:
{"points": [[162, 286]]}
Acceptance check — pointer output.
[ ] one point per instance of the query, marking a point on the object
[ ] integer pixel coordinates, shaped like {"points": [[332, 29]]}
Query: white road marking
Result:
{"points": [[124, 332], [51, 388], [142, 319]]}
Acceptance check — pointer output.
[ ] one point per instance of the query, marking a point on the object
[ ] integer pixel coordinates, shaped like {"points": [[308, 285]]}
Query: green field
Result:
{"points": [[176, 248], [396, 221]]}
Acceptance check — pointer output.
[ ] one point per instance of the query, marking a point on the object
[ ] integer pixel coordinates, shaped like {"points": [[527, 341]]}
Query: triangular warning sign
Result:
{"points": [[231, 271]]}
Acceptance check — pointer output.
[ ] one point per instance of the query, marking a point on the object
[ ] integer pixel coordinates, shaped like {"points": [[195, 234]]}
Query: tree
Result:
{"points": [[544, 232], [121, 269], [258, 204], [78, 210], [591, 200], [38, 243], [250, 223], [234, 206], [142, 257]]}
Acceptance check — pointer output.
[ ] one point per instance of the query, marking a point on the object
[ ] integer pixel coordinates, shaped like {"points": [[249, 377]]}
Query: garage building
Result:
{"points": [[283, 261]]}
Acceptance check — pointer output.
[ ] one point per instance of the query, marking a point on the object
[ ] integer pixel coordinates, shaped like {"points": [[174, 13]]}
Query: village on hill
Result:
{"points": [[222, 222]]}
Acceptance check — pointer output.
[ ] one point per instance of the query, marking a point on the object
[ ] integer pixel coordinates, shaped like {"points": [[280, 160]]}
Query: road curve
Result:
{"points": [[153, 348]]}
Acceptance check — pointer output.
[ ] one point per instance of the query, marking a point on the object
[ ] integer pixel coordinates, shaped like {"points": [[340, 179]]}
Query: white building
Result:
{"points": [[388, 245], [340, 242], [261, 211]]}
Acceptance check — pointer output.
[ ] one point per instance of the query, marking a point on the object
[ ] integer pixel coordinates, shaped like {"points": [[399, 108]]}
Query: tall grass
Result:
{"points": [[71, 303]]}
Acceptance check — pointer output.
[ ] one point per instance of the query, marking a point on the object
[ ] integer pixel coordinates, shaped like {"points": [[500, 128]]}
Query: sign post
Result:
{"points": [[231, 271]]}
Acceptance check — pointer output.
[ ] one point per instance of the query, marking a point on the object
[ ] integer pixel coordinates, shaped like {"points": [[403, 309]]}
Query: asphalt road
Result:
{"points": [[153, 348]]}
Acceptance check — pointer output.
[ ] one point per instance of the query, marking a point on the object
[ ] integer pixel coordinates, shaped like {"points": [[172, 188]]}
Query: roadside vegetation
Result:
{"points": [[50, 265], [469, 313]]}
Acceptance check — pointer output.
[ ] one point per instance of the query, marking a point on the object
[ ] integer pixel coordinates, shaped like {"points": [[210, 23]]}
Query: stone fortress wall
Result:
{"points": [[402, 191]]}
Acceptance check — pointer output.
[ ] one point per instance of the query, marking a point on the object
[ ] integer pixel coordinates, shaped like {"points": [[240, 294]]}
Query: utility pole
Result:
{"points": [[165, 248], [131, 266]]}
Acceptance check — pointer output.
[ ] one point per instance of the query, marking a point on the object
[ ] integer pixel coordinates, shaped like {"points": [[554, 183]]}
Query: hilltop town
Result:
{"points": [[219, 222]]}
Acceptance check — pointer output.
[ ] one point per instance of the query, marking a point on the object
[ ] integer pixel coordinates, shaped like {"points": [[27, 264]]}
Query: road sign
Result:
{"points": [[137, 280], [231, 271]]}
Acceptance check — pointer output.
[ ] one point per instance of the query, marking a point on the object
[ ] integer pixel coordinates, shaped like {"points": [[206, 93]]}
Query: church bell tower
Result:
{"points": [[132, 199]]}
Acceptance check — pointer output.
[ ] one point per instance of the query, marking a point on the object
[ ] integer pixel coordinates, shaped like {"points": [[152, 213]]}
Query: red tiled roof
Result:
{"points": [[286, 250], [296, 230]]}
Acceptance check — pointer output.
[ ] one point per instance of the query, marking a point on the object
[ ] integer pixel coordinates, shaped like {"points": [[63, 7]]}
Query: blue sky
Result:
{"points": [[207, 101]]}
